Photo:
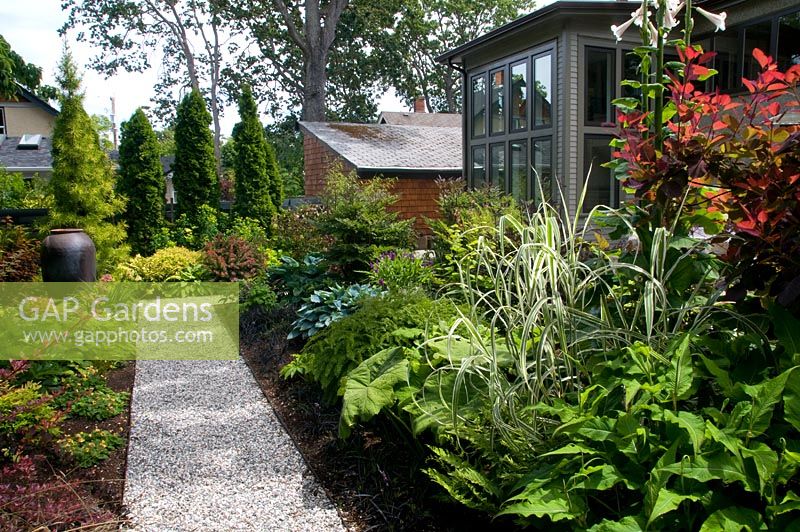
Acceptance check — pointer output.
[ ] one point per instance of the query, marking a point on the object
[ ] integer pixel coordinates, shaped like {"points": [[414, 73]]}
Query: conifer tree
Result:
{"points": [[275, 177], [83, 178], [254, 164], [194, 171], [141, 180]]}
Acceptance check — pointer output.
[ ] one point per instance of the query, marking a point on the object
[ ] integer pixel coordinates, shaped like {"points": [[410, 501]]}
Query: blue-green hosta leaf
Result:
{"points": [[692, 424], [666, 502], [764, 398], [765, 460], [543, 502], [370, 387], [734, 519], [626, 524]]}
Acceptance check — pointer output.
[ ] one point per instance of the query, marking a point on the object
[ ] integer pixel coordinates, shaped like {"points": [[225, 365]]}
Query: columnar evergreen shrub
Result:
{"points": [[141, 180], [194, 171], [254, 164], [83, 179]]}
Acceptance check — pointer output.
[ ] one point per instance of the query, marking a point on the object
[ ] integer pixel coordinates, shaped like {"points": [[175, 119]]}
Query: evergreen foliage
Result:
{"points": [[194, 170], [254, 164], [83, 178], [141, 180]]}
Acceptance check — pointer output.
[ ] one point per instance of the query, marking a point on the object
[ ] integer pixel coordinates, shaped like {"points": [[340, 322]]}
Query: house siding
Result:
{"points": [[319, 159], [27, 119]]}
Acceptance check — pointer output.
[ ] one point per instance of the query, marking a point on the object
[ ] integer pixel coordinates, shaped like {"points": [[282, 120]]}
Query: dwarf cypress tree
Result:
{"points": [[275, 177], [83, 178], [194, 171], [141, 180], [251, 164]]}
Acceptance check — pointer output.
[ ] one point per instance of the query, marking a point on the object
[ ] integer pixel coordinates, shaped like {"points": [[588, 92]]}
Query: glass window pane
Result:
{"points": [[497, 105], [755, 36], [497, 165], [630, 71], [478, 166], [727, 62], [599, 191], [542, 155], [519, 170], [788, 41], [519, 96], [478, 106], [599, 85], [543, 91]]}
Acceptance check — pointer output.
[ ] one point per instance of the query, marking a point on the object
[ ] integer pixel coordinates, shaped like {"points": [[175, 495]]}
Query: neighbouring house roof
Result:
{"points": [[388, 148], [31, 97], [408, 118], [523, 24], [15, 160]]}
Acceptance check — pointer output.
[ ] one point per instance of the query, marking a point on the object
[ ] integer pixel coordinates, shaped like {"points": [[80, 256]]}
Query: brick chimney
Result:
{"points": [[419, 105]]}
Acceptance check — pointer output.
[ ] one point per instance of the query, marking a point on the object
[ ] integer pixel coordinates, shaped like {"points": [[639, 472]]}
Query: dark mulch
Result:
{"points": [[375, 476]]}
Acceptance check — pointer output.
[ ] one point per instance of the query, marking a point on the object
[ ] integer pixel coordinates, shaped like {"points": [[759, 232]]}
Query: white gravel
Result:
{"points": [[207, 453]]}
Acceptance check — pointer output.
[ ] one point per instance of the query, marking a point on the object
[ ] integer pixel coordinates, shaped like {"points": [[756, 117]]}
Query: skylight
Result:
{"points": [[29, 142]]}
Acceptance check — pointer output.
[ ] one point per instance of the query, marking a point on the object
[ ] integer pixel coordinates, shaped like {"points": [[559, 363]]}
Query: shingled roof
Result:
{"points": [[391, 148], [14, 160], [408, 118]]}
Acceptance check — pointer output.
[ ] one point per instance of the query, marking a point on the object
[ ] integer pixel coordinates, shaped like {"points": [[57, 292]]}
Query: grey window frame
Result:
{"points": [[529, 133], [3, 125], [740, 31]]}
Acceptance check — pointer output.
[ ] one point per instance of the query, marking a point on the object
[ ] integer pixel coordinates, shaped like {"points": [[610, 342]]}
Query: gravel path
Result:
{"points": [[207, 453]]}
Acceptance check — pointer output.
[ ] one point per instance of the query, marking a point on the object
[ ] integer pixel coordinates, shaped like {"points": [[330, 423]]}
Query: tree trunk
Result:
{"points": [[314, 86]]}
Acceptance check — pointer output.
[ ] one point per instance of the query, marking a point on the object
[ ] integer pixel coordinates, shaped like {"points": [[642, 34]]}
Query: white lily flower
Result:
{"points": [[717, 20], [619, 30], [653, 34], [673, 8]]}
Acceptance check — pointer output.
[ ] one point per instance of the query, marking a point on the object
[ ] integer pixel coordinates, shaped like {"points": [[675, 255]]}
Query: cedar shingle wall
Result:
{"points": [[318, 161]]}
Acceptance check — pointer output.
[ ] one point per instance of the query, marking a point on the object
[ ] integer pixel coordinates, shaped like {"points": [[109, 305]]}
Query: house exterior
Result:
{"points": [[538, 91], [26, 128], [415, 155]]}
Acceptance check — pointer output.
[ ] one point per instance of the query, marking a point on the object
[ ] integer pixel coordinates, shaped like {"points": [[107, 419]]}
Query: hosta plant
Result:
{"points": [[325, 306]]}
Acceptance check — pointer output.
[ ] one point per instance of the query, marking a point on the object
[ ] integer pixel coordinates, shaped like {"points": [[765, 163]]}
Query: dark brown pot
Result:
{"points": [[68, 255]]}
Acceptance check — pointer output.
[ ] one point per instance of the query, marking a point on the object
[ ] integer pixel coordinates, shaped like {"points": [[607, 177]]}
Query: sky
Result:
{"points": [[33, 33]]}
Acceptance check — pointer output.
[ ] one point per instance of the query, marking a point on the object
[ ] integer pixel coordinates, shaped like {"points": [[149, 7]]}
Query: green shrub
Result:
{"points": [[394, 320], [400, 270], [12, 190], [90, 448], [467, 217], [231, 258], [27, 415], [294, 232], [356, 217], [326, 306], [170, 264], [294, 281], [198, 229], [257, 293], [88, 395]]}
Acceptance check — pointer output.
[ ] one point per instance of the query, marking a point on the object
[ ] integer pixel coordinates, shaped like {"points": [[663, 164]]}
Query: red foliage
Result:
{"points": [[731, 156], [19, 254], [232, 258]]}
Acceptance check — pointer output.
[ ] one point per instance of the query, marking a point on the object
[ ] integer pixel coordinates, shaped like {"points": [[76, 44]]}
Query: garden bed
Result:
{"points": [[374, 477], [54, 493]]}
